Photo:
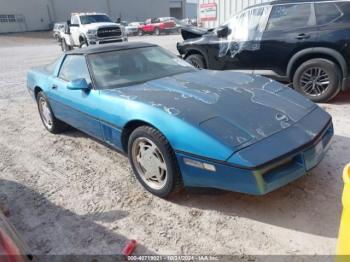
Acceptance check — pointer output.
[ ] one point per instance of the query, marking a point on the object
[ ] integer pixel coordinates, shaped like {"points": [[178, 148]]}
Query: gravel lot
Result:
{"points": [[69, 194]]}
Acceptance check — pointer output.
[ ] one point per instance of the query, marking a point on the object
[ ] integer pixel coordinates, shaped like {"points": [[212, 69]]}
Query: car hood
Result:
{"points": [[100, 25], [237, 109]]}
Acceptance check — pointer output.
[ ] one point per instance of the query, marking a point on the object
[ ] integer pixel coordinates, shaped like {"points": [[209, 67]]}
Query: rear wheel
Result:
{"points": [[197, 61], [153, 161], [51, 123], [318, 79]]}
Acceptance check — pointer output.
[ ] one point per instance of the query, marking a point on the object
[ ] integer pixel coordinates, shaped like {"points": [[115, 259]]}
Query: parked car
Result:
{"points": [[180, 125], [157, 26], [189, 22], [12, 247], [304, 42], [86, 29], [58, 29], [133, 28]]}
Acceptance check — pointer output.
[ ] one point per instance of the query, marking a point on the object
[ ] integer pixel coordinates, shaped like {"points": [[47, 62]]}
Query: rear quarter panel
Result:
{"points": [[40, 76]]}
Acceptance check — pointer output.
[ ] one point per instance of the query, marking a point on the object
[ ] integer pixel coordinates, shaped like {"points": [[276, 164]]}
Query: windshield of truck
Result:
{"points": [[90, 19]]}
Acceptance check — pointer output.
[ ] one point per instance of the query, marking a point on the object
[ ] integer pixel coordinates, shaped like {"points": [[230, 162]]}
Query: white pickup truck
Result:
{"points": [[86, 29]]}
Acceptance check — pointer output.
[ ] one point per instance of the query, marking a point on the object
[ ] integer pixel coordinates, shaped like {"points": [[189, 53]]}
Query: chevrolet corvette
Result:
{"points": [[181, 126]]}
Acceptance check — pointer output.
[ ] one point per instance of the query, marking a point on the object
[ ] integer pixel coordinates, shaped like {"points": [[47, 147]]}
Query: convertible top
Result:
{"points": [[108, 48]]}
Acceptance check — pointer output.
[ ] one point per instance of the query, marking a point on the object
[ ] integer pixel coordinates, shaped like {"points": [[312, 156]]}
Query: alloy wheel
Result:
{"points": [[149, 163], [314, 81], [45, 113]]}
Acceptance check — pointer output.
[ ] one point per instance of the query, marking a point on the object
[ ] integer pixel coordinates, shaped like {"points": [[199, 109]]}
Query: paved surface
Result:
{"points": [[69, 194]]}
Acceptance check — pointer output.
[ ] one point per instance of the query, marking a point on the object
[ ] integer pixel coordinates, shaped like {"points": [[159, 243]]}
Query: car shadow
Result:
{"points": [[311, 204], [57, 234]]}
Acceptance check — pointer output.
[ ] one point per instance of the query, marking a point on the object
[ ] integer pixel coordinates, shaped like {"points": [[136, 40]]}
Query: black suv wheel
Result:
{"points": [[318, 79], [197, 61]]}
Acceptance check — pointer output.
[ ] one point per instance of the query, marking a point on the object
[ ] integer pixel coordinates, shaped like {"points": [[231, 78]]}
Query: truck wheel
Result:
{"points": [[83, 44], [140, 32], [156, 31], [197, 61], [318, 79], [64, 45], [153, 161]]}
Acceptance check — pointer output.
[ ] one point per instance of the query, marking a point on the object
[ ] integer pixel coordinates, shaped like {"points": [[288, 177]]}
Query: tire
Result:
{"points": [[156, 31], [83, 44], [318, 79], [50, 122], [64, 45], [197, 61], [140, 32], [161, 154]]}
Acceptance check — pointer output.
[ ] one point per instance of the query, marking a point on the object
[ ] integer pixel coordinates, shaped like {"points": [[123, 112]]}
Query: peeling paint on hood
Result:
{"points": [[238, 109]]}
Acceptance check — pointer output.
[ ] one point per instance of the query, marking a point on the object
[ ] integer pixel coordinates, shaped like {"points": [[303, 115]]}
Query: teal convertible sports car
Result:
{"points": [[180, 125]]}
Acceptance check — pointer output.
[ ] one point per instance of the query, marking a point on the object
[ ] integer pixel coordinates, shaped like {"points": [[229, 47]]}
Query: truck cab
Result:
{"points": [[84, 29]]}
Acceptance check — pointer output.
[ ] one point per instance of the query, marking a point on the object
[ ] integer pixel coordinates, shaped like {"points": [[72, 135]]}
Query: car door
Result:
{"points": [[290, 28], [236, 50], [333, 25], [74, 29], [77, 108]]}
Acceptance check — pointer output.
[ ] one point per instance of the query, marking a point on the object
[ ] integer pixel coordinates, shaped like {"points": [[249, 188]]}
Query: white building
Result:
{"points": [[212, 13]]}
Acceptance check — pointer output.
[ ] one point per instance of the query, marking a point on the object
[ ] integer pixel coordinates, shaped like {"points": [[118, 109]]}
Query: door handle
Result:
{"points": [[54, 86], [302, 36]]}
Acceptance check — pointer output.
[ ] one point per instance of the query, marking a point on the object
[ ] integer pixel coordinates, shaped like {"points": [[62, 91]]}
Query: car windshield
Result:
{"points": [[133, 66], [90, 19]]}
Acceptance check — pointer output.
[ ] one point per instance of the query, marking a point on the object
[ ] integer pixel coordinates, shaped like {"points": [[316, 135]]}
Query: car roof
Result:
{"points": [[279, 2], [109, 47]]}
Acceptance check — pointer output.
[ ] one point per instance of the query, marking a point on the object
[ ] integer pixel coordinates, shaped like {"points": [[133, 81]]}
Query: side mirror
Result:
{"points": [[78, 84], [222, 31]]}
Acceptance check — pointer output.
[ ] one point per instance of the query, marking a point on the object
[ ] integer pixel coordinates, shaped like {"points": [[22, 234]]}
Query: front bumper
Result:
{"points": [[261, 180], [99, 41]]}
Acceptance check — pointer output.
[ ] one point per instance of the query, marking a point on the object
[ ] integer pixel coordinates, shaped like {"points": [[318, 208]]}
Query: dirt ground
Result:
{"points": [[69, 194]]}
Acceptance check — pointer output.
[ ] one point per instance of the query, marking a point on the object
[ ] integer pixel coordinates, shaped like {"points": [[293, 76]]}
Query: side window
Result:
{"points": [[74, 67], [327, 13], [290, 16], [75, 20]]}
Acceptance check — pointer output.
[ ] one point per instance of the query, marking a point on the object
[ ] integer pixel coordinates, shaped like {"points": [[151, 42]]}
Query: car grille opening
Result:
{"points": [[109, 32]]}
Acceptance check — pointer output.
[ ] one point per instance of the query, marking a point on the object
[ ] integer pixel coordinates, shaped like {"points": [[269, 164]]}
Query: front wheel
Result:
{"points": [[156, 31], [64, 45], [84, 44], [318, 79], [197, 61], [51, 123], [153, 161]]}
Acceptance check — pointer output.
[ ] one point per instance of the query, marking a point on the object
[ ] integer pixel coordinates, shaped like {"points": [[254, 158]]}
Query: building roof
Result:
{"points": [[109, 47]]}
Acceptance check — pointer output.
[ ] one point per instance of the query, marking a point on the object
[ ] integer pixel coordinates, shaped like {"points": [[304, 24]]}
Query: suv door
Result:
{"points": [[334, 22], [237, 49], [75, 30], [290, 28]]}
